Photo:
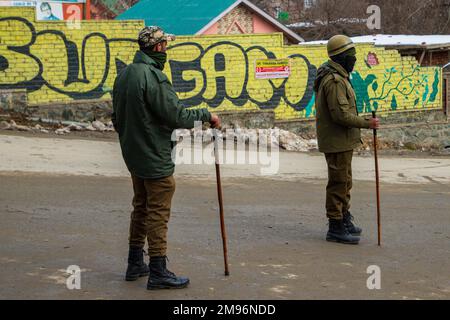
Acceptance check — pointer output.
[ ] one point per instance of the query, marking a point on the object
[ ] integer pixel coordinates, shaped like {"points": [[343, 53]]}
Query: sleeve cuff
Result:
{"points": [[207, 116]]}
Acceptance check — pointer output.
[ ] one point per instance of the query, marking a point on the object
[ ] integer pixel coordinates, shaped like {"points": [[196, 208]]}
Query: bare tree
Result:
{"points": [[329, 17], [293, 7], [414, 16]]}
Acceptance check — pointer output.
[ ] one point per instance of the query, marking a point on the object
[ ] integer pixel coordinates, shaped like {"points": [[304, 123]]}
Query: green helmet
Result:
{"points": [[338, 44]]}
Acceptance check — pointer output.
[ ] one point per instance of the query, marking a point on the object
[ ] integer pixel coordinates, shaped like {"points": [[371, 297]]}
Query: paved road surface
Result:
{"points": [[276, 240]]}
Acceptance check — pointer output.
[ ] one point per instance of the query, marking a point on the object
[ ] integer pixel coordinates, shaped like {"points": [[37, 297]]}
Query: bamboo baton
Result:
{"points": [[219, 194], [377, 176]]}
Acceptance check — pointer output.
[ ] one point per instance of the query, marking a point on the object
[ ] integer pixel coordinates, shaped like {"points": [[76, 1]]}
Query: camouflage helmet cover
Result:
{"points": [[149, 36]]}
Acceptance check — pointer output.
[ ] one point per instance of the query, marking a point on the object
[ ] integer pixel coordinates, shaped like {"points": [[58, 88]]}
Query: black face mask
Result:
{"points": [[349, 63], [159, 57], [346, 60]]}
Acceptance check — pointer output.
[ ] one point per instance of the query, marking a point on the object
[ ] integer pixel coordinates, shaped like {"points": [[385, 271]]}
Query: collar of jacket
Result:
{"points": [[340, 69], [141, 57]]}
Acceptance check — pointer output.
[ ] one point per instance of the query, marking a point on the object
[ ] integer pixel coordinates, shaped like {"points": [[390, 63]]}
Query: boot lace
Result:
{"points": [[170, 273], [348, 219]]}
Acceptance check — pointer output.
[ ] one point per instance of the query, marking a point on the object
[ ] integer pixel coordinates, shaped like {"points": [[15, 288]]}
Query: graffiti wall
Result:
{"points": [[62, 61], [55, 61]]}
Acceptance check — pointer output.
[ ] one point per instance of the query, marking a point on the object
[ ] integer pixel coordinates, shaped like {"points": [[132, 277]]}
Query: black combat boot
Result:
{"points": [[338, 233], [136, 266], [352, 229], [161, 278]]}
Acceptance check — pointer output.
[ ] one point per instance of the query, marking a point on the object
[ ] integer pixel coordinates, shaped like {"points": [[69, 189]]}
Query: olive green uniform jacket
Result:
{"points": [[146, 110], [337, 118]]}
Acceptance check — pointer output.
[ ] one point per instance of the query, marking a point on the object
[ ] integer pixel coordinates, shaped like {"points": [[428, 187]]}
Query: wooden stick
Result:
{"points": [[219, 194], [377, 176]]}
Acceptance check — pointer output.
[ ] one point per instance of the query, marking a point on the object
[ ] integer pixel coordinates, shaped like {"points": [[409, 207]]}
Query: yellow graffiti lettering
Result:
{"points": [[17, 65]]}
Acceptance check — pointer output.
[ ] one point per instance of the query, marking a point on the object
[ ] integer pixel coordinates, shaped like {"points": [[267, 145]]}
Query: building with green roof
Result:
{"points": [[196, 17]]}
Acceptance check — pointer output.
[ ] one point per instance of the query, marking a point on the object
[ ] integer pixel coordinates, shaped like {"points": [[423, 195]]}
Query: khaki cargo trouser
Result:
{"points": [[339, 183], [152, 202]]}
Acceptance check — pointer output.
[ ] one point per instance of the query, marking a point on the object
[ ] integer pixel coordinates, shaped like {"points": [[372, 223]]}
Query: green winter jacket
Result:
{"points": [[337, 118], [146, 110]]}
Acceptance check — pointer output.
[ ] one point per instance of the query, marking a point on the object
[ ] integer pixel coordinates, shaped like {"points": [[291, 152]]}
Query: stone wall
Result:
{"points": [[413, 129], [14, 100]]}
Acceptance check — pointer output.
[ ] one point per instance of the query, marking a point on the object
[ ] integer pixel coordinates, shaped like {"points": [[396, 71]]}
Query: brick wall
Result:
{"points": [[58, 61], [55, 62], [436, 58]]}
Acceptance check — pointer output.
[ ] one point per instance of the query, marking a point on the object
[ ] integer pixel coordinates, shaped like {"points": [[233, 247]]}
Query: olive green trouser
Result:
{"points": [[152, 202], [339, 183]]}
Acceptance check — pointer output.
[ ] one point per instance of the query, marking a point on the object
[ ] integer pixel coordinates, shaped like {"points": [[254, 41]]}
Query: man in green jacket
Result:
{"points": [[146, 110], [338, 133]]}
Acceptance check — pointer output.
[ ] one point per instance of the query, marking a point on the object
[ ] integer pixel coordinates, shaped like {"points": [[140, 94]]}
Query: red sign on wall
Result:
{"points": [[73, 11], [272, 68]]}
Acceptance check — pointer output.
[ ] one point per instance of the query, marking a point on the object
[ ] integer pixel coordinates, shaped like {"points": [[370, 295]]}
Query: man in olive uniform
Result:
{"points": [[338, 133], [146, 110]]}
